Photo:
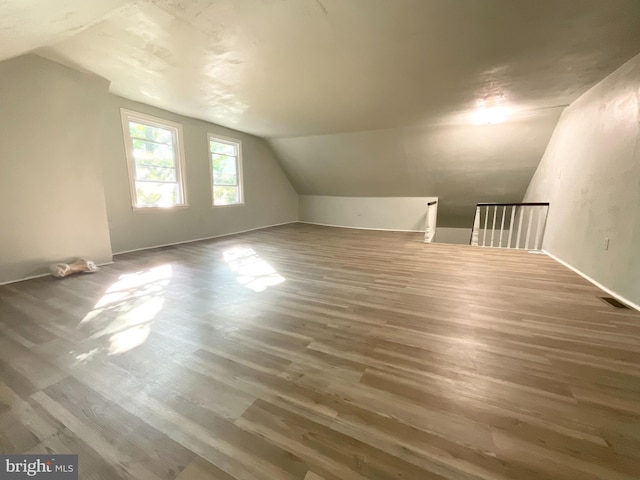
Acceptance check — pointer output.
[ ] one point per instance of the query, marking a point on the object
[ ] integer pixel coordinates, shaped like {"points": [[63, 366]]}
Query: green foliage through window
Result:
{"points": [[148, 132], [155, 164], [224, 166]]}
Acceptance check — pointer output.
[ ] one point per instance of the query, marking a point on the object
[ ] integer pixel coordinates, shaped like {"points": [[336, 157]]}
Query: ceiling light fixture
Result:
{"points": [[491, 115], [491, 111]]}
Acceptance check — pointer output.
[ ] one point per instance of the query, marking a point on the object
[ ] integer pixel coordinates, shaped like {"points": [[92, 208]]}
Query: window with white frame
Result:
{"points": [[226, 170], [155, 158]]}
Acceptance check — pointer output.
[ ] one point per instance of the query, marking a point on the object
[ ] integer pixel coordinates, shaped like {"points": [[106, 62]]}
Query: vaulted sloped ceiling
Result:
{"points": [[357, 97], [461, 164]]}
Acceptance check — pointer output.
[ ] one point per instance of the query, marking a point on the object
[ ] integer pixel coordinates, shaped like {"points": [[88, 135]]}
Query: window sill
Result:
{"points": [[230, 205], [159, 209]]}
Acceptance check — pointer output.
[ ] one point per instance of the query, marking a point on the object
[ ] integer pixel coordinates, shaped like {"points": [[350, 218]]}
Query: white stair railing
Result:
{"points": [[511, 218]]}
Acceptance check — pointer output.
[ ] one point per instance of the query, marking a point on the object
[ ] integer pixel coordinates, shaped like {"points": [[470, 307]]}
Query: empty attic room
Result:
{"points": [[320, 239]]}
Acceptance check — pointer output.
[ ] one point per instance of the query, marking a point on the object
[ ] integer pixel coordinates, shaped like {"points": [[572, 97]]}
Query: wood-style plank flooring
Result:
{"points": [[316, 353]]}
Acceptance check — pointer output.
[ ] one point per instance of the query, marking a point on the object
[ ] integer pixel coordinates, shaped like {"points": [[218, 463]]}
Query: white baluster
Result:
{"points": [[493, 228], [486, 218], [520, 215], [504, 212], [532, 211], [476, 228], [513, 216], [540, 227]]}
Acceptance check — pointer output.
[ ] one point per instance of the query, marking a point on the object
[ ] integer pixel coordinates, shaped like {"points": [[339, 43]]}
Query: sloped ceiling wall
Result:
{"points": [[461, 164], [29, 24]]}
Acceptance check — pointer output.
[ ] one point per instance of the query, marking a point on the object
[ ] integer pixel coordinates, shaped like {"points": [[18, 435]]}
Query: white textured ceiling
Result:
{"points": [[304, 67], [29, 24]]}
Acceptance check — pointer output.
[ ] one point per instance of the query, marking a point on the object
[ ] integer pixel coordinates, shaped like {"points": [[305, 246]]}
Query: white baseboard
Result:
{"points": [[594, 282], [156, 246], [362, 228], [204, 238], [32, 277]]}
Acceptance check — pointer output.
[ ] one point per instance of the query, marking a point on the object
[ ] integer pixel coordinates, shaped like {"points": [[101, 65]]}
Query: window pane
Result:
{"points": [[153, 160], [223, 148], [223, 164], [157, 134], [225, 195], [148, 172], [153, 153], [156, 194], [225, 179]]}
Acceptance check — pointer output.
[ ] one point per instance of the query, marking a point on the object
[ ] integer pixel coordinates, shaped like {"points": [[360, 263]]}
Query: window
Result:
{"points": [[155, 158], [226, 170]]}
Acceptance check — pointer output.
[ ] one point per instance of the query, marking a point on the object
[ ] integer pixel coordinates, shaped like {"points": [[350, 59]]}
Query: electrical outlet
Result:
{"points": [[606, 243]]}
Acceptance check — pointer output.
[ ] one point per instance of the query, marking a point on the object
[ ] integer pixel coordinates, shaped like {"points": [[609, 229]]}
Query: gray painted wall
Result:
{"points": [[51, 189], [461, 164], [459, 236], [590, 173], [387, 213], [64, 184], [269, 196]]}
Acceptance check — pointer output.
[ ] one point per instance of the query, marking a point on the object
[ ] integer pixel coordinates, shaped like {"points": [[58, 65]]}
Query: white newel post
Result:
{"points": [[476, 228], [430, 227]]}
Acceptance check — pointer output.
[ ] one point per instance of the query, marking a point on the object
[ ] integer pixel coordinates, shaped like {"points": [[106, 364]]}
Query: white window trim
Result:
{"points": [[238, 142], [130, 115]]}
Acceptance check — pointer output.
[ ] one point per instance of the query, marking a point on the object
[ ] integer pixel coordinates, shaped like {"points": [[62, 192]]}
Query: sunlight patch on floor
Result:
{"points": [[123, 316], [252, 271]]}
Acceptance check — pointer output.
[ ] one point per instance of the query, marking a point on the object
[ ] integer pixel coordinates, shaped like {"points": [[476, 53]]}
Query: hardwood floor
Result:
{"points": [[315, 353]]}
